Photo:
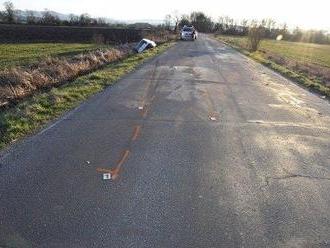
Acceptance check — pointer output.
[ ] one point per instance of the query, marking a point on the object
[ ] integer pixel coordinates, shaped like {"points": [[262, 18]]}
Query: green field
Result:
{"points": [[305, 63], [22, 54], [302, 52]]}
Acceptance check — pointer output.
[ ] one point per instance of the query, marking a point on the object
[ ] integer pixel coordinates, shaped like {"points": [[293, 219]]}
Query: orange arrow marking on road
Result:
{"points": [[115, 171]]}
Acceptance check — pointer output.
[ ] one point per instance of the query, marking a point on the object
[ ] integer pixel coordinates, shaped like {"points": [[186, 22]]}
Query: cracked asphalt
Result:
{"points": [[206, 148]]}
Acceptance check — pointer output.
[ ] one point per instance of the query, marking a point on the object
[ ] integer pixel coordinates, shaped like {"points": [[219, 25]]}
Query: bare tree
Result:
{"points": [[85, 19], [9, 13], [49, 19], [73, 19], [176, 19], [244, 23], [256, 33], [245, 26], [227, 22], [30, 18], [184, 20], [297, 34], [270, 24], [284, 30], [2, 16], [101, 21], [201, 22], [168, 22]]}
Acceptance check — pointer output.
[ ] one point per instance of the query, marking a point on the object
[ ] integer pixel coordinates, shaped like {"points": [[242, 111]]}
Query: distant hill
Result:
{"points": [[23, 14], [150, 21]]}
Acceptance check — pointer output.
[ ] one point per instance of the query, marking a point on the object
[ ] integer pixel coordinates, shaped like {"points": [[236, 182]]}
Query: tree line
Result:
{"points": [[48, 18], [226, 25], [9, 16]]}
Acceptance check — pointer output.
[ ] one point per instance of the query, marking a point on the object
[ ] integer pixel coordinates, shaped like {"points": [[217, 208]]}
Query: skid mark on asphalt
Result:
{"points": [[213, 115], [136, 132], [290, 175], [148, 96], [146, 100], [146, 108]]}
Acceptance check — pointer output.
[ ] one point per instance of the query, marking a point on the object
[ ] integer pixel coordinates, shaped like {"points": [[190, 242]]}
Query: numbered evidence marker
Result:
{"points": [[106, 176]]}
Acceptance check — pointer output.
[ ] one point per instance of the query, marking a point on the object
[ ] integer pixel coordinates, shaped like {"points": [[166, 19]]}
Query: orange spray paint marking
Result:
{"points": [[144, 107], [144, 112], [115, 171], [136, 133]]}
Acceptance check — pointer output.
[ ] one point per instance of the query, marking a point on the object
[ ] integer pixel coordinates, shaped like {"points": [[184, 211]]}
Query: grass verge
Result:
{"points": [[33, 113], [313, 84], [23, 54]]}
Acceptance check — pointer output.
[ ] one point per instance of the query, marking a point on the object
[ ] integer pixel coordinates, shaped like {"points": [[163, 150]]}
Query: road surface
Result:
{"points": [[206, 148]]}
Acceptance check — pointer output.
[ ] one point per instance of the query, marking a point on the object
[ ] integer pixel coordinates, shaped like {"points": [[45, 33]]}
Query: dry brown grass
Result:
{"points": [[19, 82]]}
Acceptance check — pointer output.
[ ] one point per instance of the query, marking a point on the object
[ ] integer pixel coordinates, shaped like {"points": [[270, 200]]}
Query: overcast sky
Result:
{"points": [[307, 14]]}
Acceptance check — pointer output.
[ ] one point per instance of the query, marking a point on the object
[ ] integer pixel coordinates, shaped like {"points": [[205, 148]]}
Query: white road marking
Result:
{"points": [[50, 127]]}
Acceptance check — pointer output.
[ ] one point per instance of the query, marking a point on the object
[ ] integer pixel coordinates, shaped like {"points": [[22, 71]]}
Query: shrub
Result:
{"points": [[255, 36], [34, 33]]}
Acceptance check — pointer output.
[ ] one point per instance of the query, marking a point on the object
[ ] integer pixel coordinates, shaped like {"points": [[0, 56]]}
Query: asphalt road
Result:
{"points": [[206, 148]]}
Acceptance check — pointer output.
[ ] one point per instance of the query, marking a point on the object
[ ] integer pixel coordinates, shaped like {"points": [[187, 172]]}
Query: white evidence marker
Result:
{"points": [[106, 176], [140, 107], [213, 118]]}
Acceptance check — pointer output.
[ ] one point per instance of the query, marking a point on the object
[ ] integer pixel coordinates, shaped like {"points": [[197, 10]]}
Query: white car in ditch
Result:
{"points": [[144, 44]]}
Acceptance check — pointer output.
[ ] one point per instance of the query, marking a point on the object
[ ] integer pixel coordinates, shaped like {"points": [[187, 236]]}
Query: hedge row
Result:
{"points": [[29, 33]]}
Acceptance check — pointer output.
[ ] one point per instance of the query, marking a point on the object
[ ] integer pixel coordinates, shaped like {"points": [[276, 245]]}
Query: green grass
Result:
{"points": [[315, 54], [303, 52], [22, 54], [33, 113]]}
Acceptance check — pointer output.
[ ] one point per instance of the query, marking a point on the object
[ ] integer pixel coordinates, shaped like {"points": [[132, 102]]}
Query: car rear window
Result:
{"points": [[187, 29]]}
